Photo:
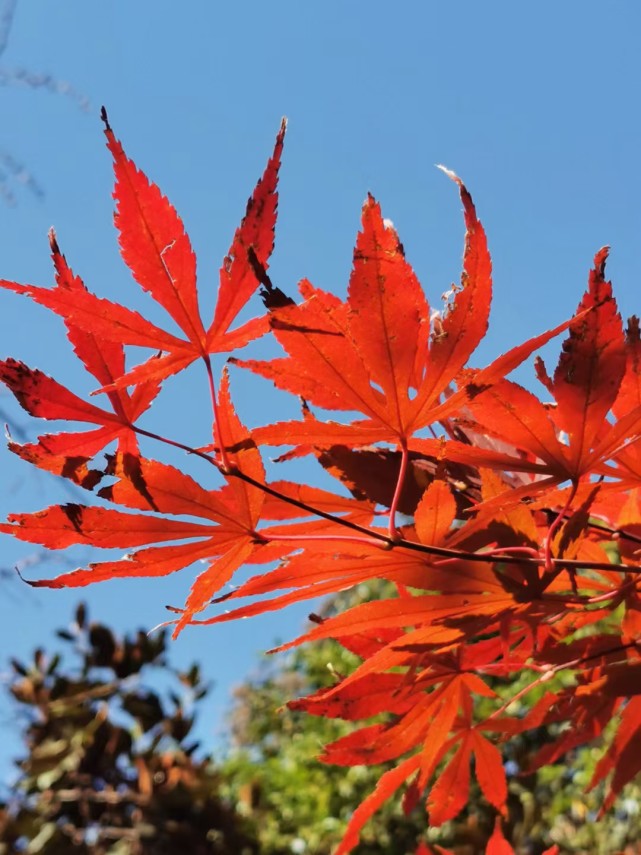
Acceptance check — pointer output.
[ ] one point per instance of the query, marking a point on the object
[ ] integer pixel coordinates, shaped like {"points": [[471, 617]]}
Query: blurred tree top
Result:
{"points": [[108, 766]]}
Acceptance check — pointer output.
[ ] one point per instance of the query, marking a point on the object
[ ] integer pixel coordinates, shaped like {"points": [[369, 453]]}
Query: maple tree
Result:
{"points": [[512, 524]]}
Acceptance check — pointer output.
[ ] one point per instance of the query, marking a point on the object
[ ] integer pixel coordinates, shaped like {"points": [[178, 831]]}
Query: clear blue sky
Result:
{"points": [[534, 105]]}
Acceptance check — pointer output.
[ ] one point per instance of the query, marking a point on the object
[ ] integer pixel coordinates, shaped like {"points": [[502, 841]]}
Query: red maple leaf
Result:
{"points": [[158, 252], [68, 453], [375, 353]]}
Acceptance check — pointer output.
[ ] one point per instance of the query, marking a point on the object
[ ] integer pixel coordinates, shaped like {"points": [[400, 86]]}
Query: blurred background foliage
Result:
{"points": [[107, 764]]}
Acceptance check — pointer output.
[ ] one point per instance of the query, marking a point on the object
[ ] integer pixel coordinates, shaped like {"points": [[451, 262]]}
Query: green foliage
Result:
{"points": [[108, 766]]}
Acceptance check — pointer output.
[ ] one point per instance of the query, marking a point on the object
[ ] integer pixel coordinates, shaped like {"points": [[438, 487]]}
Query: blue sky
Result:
{"points": [[534, 105]]}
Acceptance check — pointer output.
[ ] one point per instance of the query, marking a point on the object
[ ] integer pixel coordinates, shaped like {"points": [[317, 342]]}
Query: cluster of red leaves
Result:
{"points": [[513, 525]]}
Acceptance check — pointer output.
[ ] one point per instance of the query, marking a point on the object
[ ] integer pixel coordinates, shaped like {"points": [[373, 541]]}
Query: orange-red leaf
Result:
{"points": [[42, 396], [587, 378], [67, 453], [153, 561], [497, 844], [153, 242], [237, 278], [387, 311], [464, 321], [368, 353], [585, 386], [157, 250], [208, 583], [450, 793], [489, 771], [241, 452], [435, 514], [387, 785], [61, 526]]}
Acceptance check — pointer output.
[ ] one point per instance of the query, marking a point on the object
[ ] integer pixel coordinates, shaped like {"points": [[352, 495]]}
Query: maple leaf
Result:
{"points": [[369, 696], [373, 473], [347, 356], [428, 722], [626, 462], [388, 783], [497, 844], [588, 714], [465, 587], [369, 353], [585, 386], [40, 395], [622, 756], [451, 792], [158, 252], [232, 515]]}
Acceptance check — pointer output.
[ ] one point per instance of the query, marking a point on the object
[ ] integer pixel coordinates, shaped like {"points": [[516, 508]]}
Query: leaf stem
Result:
{"points": [[547, 674], [181, 445], [519, 550], [400, 483], [547, 547]]}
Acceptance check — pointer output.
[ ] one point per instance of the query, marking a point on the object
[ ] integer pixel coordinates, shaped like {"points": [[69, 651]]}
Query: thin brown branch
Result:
{"points": [[402, 543]]}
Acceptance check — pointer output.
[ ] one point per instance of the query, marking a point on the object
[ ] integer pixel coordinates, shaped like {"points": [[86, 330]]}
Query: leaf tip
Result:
{"points": [[105, 118], [600, 259], [450, 174], [32, 582], [632, 331], [159, 626], [53, 241], [471, 219], [371, 208]]}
